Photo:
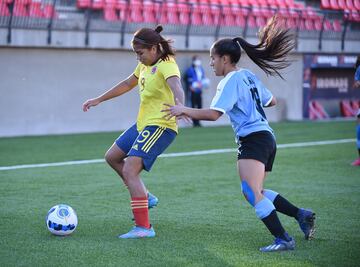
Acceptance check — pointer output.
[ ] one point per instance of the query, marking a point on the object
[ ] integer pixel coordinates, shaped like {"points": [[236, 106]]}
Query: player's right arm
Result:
{"points": [[117, 90]]}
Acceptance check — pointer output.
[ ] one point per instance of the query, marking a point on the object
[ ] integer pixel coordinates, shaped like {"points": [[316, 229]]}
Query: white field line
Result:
{"points": [[171, 155]]}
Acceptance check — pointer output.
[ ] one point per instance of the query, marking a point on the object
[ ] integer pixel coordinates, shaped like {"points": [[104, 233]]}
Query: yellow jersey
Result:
{"points": [[154, 92]]}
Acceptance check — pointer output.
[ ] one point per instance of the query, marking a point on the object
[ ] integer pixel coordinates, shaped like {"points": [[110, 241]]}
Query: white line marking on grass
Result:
{"points": [[171, 155]]}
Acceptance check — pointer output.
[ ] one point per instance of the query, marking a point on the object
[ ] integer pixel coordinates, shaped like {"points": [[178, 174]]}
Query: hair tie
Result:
{"points": [[159, 29]]}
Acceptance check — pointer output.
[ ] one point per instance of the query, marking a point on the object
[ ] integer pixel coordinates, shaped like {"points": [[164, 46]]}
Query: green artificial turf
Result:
{"points": [[202, 218]]}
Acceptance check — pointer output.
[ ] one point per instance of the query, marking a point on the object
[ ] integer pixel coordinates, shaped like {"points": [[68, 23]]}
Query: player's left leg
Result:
{"points": [[305, 217]]}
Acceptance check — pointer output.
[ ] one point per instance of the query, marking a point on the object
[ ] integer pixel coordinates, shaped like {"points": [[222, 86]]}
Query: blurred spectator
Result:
{"points": [[196, 82], [357, 72], [357, 84]]}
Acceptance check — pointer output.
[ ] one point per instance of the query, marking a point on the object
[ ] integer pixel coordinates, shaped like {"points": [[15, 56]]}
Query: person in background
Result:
{"points": [[357, 85], [196, 82]]}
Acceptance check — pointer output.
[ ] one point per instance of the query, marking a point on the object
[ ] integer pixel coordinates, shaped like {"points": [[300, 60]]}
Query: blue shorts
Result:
{"points": [[147, 144]]}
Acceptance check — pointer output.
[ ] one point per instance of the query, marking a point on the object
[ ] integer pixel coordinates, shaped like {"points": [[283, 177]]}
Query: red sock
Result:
{"points": [[139, 206]]}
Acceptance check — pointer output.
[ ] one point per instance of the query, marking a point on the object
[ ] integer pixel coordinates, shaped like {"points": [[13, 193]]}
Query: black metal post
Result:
{"points": [[346, 22], [123, 25], [217, 31], [187, 33], [88, 15], [49, 27], [246, 22], [11, 8], [321, 31]]}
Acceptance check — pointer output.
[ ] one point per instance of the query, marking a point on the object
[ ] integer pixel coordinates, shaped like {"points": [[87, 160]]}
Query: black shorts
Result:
{"points": [[260, 146]]}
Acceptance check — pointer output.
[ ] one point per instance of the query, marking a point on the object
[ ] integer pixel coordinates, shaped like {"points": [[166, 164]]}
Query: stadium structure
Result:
{"points": [[54, 54]]}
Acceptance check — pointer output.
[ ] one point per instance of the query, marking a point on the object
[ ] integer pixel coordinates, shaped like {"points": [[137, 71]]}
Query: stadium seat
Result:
{"points": [[349, 5], [207, 17], [334, 5], [357, 4], [317, 111], [346, 109], [337, 25], [136, 14], [110, 14], [355, 104], [35, 10], [98, 4], [83, 4], [49, 11], [184, 13], [20, 9], [325, 4], [172, 13], [196, 18], [342, 4], [4, 10]]}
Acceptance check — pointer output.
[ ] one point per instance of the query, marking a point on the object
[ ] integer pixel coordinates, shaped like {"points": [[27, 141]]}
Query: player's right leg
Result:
{"points": [[117, 154], [252, 174]]}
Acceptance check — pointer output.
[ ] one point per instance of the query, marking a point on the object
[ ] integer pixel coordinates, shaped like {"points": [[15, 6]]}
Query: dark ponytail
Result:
{"points": [[147, 38], [269, 54]]}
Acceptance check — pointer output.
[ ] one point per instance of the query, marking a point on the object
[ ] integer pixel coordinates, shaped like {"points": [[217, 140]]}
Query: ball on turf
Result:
{"points": [[61, 220]]}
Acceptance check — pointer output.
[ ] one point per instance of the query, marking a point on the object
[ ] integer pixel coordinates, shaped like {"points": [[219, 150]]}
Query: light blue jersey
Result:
{"points": [[242, 96], [357, 74]]}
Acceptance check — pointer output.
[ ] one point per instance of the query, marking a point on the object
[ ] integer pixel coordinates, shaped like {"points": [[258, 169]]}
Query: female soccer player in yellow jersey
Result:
{"points": [[158, 78]]}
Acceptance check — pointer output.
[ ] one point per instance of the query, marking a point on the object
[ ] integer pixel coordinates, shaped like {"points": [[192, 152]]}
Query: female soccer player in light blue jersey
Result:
{"points": [[242, 96]]}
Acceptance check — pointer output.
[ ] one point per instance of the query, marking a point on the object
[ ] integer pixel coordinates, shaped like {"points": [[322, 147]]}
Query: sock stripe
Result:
{"points": [[139, 207]]}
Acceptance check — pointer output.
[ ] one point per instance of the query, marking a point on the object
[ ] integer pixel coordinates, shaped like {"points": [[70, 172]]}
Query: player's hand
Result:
{"points": [[90, 103], [176, 110]]}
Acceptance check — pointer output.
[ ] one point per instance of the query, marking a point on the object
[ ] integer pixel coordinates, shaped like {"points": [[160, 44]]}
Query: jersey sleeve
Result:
{"points": [[137, 71], [226, 96], [265, 94], [169, 69]]}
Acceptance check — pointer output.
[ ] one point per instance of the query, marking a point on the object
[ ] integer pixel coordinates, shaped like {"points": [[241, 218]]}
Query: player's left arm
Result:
{"points": [[176, 87], [272, 103]]}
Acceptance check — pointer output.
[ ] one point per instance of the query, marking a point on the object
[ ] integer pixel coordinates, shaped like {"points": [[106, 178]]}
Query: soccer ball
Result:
{"points": [[61, 220]]}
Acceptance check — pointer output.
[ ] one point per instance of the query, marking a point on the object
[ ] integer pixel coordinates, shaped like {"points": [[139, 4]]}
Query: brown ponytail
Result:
{"points": [[147, 38], [269, 54]]}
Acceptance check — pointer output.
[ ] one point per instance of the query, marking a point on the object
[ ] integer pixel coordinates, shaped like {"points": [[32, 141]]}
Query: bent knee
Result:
{"points": [[251, 195]]}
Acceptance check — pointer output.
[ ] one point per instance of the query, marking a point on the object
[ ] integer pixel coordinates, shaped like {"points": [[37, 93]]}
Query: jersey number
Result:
{"points": [[256, 98]]}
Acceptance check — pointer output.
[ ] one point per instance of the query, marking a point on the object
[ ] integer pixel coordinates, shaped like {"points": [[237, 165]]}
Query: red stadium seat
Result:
{"points": [[184, 14], [172, 13], [49, 11], [349, 4], [149, 13], [346, 109], [98, 4], [251, 22], [342, 4], [136, 14], [110, 13], [334, 5], [35, 10], [83, 3], [4, 10], [20, 9], [325, 4], [337, 25], [196, 18], [357, 4]]}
